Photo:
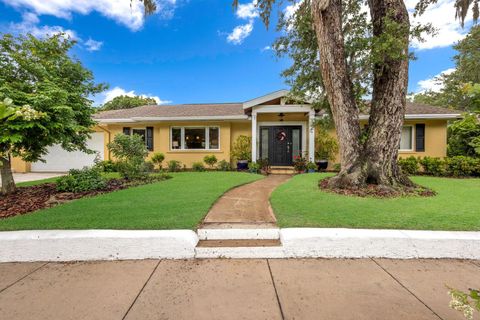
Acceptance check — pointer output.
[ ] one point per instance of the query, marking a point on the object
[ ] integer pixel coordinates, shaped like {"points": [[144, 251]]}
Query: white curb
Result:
{"points": [[71, 245], [239, 234], [395, 244]]}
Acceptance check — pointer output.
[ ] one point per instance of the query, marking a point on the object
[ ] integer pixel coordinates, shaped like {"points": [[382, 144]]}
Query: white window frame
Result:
{"points": [[182, 137], [413, 139]]}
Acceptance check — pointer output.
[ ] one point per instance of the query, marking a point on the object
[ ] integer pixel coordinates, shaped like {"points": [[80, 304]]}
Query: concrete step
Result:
{"points": [[238, 243], [282, 170], [240, 232]]}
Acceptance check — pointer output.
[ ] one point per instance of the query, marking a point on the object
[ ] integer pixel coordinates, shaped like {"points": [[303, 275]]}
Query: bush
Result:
{"points": [[409, 165], [174, 166], [148, 166], [461, 166], [254, 167], [337, 167], [210, 160], [107, 166], [433, 166], [264, 165], [131, 153], [198, 166], [86, 179], [224, 165], [157, 159], [312, 166]]}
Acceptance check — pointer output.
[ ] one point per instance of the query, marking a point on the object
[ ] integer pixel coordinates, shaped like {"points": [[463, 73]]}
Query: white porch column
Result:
{"points": [[254, 136], [311, 136]]}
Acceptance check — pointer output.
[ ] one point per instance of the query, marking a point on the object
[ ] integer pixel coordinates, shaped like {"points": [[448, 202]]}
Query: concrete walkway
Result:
{"points": [[234, 289], [32, 176], [247, 204]]}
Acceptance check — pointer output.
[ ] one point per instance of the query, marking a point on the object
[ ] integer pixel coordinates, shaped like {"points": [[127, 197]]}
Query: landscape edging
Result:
{"points": [[84, 245]]}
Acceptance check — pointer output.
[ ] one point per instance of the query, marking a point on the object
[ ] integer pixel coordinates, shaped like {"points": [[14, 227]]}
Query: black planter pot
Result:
{"points": [[242, 165], [322, 165]]}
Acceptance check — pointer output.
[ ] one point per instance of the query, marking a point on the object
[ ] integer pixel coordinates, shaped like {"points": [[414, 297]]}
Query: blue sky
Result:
{"points": [[193, 51]]}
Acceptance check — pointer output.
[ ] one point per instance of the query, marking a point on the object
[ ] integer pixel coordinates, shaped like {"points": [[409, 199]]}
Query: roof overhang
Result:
{"points": [[166, 119], [424, 116], [268, 97]]}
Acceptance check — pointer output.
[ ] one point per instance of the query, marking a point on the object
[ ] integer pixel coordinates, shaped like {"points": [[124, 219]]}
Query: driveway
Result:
{"points": [[235, 289], [32, 176]]}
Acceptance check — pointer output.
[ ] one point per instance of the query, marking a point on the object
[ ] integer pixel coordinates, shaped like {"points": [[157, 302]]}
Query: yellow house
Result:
{"points": [[279, 130]]}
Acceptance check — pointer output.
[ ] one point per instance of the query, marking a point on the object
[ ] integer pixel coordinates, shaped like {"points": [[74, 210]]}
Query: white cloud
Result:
{"points": [[30, 24], [128, 13], [239, 33], [247, 10], [266, 48], [442, 16], [433, 83], [117, 91], [93, 45]]}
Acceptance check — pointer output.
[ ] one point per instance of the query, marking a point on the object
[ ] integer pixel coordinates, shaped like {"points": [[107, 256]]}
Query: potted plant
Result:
{"points": [[254, 167], [311, 167], [264, 166], [326, 148], [300, 164], [242, 152]]}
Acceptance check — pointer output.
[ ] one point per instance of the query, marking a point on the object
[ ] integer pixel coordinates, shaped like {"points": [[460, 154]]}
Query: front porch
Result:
{"points": [[281, 130]]}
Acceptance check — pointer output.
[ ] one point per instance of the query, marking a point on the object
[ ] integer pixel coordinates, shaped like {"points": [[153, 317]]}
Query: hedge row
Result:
{"points": [[459, 166]]}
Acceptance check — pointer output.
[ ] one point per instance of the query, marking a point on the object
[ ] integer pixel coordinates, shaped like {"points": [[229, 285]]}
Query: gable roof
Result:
{"points": [[237, 111]]}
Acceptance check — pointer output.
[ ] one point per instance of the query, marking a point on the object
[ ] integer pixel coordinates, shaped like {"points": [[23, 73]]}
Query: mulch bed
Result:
{"points": [[376, 191], [29, 199]]}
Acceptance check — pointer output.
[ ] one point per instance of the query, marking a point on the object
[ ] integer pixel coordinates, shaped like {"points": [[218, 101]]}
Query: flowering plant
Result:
{"points": [[300, 163]]}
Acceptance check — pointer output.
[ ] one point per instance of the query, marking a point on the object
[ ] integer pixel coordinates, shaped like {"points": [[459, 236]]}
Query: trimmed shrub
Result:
{"points": [[148, 166], [198, 166], [432, 166], [210, 160], [254, 167], [224, 165], [174, 166], [461, 166], [86, 179], [107, 166], [409, 165], [157, 159], [131, 153]]}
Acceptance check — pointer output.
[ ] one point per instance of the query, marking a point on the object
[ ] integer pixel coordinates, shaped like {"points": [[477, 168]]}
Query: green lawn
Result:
{"points": [[299, 203], [177, 203]]}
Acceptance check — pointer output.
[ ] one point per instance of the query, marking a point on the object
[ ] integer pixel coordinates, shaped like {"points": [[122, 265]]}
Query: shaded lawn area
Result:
{"points": [[299, 203], [177, 203]]}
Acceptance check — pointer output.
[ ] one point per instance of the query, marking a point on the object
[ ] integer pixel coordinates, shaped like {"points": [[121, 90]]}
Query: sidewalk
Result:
{"points": [[235, 289]]}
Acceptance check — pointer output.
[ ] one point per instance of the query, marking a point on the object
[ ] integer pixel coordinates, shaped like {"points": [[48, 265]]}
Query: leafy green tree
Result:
{"points": [[127, 102], [48, 93], [464, 137], [461, 88]]}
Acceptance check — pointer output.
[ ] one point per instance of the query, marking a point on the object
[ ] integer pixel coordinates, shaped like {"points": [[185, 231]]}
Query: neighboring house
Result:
{"points": [[279, 131]]}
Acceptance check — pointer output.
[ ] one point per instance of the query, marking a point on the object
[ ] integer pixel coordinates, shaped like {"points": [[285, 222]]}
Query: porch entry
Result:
{"points": [[280, 144]]}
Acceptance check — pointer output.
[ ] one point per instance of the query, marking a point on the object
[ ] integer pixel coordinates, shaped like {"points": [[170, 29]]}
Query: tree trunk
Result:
{"points": [[387, 110], [376, 160], [327, 18], [8, 184]]}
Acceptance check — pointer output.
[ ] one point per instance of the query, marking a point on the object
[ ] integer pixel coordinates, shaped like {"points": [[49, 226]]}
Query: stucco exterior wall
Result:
{"points": [[435, 138]]}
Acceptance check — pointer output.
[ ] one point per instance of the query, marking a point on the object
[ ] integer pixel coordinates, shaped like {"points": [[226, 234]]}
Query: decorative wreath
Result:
{"points": [[281, 136]]}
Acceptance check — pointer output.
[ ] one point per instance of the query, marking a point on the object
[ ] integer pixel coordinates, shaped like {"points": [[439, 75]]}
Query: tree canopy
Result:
{"points": [[45, 95], [461, 88], [127, 102]]}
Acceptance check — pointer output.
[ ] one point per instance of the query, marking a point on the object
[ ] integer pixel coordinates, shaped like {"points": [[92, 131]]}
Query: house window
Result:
{"points": [[195, 138], [140, 132], [406, 140]]}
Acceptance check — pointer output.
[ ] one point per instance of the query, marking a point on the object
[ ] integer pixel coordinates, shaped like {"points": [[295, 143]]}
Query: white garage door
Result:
{"points": [[60, 160]]}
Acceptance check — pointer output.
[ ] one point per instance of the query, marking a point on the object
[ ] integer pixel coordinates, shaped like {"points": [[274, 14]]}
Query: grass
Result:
{"points": [[177, 203], [299, 203]]}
